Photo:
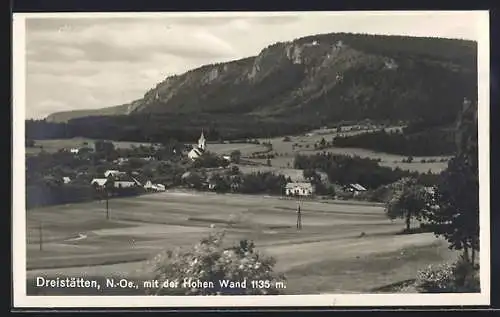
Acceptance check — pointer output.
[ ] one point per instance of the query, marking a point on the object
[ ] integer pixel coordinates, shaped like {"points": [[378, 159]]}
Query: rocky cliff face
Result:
{"points": [[334, 76]]}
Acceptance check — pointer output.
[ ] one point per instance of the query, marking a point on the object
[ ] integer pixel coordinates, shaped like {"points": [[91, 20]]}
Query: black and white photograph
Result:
{"points": [[160, 158]]}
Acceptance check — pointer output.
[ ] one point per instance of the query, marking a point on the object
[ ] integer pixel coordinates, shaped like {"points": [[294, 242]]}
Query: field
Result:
{"points": [[57, 144], [306, 146], [330, 253]]}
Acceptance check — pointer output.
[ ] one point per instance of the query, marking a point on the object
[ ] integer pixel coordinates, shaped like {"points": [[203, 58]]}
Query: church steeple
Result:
{"points": [[202, 141]]}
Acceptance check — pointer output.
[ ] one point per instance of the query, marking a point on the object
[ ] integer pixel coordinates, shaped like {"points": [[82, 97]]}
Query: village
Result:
{"points": [[202, 169]]}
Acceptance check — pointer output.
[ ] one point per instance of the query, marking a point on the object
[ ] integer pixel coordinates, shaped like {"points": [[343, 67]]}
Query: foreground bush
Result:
{"points": [[210, 261], [459, 277]]}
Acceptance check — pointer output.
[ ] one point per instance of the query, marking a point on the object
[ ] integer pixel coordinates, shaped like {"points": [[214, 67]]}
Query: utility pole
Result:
{"points": [[40, 236], [299, 215], [107, 204]]}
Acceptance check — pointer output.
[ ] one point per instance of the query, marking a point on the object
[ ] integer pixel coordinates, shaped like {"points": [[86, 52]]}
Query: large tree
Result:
{"points": [[454, 213], [409, 201]]}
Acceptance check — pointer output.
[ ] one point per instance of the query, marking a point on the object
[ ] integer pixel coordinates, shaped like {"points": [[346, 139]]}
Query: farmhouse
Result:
{"points": [[113, 173], [120, 160], [123, 181], [354, 188], [198, 151], [299, 189], [154, 187], [99, 182]]}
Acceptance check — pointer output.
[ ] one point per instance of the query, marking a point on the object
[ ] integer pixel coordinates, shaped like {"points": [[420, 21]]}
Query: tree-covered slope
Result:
{"points": [[328, 77]]}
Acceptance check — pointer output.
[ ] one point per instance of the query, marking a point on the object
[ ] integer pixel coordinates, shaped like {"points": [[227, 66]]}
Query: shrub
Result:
{"points": [[460, 277], [211, 261], [435, 279]]}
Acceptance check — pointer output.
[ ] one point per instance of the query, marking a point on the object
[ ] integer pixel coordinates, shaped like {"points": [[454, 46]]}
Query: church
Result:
{"points": [[198, 150]]}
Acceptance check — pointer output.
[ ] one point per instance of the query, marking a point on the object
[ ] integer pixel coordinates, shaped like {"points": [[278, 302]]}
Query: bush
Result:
{"points": [[460, 277], [435, 279], [210, 261]]}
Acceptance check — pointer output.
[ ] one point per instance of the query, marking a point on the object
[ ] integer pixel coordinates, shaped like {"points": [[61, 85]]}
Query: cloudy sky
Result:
{"points": [[94, 62]]}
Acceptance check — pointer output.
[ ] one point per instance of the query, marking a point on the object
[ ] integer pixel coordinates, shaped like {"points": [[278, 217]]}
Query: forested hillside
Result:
{"points": [[291, 87]]}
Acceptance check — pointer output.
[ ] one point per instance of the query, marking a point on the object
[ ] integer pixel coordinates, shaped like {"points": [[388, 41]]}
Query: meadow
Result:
{"points": [[304, 144], [342, 248], [55, 145]]}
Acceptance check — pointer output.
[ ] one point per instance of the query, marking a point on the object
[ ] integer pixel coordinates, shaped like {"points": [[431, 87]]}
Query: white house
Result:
{"points": [[227, 157], [198, 150], [121, 160], [154, 187], [66, 179], [99, 182], [299, 189], [125, 183], [159, 187], [113, 173], [74, 150]]}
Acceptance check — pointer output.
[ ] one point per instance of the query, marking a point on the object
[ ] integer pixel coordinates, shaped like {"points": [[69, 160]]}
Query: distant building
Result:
{"points": [[198, 151], [227, 158], [154, 187], [355, 188], [159, 187], [299, 189], [113, 173], [212, 185], [100, 182], [124, 181], [66, 180], [74, 150], [121, 160]]}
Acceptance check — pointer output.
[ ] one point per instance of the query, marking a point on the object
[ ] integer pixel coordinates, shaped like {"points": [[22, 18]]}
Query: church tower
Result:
{"points": [[202, 142]]}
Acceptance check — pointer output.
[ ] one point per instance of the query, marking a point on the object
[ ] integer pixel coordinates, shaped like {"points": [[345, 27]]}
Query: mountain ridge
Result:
{"points": [[324, 77]]}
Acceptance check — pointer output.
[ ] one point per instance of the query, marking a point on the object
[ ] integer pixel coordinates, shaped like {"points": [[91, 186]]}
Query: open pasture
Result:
{"points": [[77, 239], [226, 148], [306, 143], [57, 144]]}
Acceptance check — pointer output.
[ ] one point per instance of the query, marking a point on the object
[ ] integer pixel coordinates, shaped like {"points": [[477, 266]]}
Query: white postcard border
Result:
{"points": [[21, 300]]}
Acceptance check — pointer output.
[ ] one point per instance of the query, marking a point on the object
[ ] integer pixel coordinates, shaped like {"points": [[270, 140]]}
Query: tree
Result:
{"points": [[322, 142], [235, 156], [212, 261], [454, 213], [409, 201], [109, 187]]}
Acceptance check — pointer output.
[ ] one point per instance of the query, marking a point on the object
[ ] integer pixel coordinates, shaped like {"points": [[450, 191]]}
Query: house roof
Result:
{"points": [[300, 185], [99, 181], [357, 187]]}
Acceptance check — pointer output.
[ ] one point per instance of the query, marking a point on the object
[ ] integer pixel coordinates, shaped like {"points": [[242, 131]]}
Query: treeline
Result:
{"points": [[428, 143], [161, 128], [232, 180], [344, 170], [450, 50]]}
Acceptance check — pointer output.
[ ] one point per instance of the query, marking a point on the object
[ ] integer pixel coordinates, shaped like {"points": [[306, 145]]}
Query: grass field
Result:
{"points": [[328, 255], [57, 144], [307, 141]]}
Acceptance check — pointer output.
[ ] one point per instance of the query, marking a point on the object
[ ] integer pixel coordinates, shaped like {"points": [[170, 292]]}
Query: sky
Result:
{"points": [[93, 62]]}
